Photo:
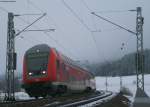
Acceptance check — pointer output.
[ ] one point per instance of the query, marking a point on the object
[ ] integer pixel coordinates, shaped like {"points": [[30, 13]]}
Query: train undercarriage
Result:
{"points": [[48, 89]]}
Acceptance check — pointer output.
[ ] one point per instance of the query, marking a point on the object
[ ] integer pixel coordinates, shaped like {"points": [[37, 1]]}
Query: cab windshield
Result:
{"points": [[37, 63]]}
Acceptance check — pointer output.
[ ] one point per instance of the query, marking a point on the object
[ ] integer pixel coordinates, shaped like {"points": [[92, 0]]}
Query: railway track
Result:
{"points": [[26, 103], [89, 101], [74, 100]]}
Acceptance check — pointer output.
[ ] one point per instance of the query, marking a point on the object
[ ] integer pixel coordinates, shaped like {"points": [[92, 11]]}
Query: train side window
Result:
{"points": [[57, 64]]}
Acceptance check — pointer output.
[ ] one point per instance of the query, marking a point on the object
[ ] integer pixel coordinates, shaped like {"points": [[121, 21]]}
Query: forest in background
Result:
{"points": [[124, 66]]}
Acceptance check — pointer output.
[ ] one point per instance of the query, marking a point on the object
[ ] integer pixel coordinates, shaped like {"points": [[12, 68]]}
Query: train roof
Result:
{"points": [[38, 48], [46, 48]]}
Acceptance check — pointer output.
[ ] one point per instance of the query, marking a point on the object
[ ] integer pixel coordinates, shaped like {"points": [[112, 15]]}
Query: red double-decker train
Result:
{"points": [[47, 72]]}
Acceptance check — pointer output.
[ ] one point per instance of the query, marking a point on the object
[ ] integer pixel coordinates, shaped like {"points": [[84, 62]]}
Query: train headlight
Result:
{"points": [[30, 73], [43, 72]]}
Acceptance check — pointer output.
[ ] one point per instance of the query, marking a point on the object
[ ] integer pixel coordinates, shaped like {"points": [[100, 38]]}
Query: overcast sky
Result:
{"points": [[73, 25]]}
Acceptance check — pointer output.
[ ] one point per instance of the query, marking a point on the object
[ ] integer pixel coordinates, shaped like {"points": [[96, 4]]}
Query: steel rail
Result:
{"points": [[87, 101], [84, 101], [63, 101]]}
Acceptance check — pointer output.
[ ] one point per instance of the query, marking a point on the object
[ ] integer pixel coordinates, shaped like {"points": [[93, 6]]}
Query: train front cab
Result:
{"points": [[39, 71]]}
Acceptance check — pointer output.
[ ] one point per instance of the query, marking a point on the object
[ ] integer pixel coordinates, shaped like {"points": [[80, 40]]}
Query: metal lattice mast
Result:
{"points": [[140, 53], [10, 58]]}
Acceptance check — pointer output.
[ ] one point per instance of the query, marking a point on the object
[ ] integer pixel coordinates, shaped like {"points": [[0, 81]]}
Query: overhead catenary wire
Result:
{"points": [[93, 31], [47, 16], [105, 19], [4, 10], [97, 30], [30, 24], [115, 24], [115, 11], [82, 22], [38, 8], [30, 41], [27, 22], [90, 10], [29, 14], [39, 30], [75, 14], [8, 1], [85, 4], [112, 11], [94, 24], [35, 6], [49, 36], [109, 11]]}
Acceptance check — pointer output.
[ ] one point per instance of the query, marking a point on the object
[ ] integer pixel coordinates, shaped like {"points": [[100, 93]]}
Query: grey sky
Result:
{"points": [[73, 35]]}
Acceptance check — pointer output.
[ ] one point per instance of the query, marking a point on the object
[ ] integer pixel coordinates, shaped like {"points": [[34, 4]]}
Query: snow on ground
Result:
{"points": [[18, 96], [113, 85], [22, 96], [127, 81]]}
